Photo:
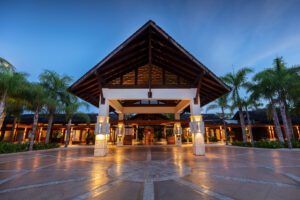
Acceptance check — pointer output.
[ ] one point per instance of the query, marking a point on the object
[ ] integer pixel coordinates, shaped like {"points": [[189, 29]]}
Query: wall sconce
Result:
{"points": [[103, 126], [177, 130]]}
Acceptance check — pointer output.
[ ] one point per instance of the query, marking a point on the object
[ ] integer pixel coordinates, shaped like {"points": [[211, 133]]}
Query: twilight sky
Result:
{"points": [[70, 37]]}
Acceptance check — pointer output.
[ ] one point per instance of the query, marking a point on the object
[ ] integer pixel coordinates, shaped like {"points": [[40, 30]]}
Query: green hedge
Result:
{"points": [[40, 146], [295, 143], [267, 144], [6, 147], [241, 144]]}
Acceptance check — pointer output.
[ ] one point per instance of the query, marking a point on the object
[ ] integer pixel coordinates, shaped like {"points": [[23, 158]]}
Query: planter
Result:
{"points": [[171, 140]]}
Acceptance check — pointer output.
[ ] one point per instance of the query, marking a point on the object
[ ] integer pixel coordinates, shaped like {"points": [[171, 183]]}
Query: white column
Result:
{"points": [[102, 128], [120, 130], [178, 130], [197, 129]]}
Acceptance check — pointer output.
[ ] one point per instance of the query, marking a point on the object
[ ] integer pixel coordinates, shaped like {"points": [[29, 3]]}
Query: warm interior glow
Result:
{"points": [[100, 137], [102, 119], [196, 118]]}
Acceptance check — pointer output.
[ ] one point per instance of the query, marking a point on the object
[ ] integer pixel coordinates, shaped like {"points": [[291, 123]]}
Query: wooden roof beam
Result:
{"points": [[116, 105], [88, 87], [181, 106], [126, 67], [114, 65], [200, 77], [174, 64], [160, 63], [99, 78], [150, 65], [175, 57]]}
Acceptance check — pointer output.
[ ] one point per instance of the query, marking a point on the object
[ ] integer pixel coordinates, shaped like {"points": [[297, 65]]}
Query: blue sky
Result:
{"points": [[72, 36]]}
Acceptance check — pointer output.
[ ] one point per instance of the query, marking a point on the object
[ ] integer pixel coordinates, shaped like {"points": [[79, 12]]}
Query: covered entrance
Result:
{"points": [[148, 74]]}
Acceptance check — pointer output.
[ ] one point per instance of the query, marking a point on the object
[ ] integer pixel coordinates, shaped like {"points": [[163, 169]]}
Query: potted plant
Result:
{"points": [[170, 136]]}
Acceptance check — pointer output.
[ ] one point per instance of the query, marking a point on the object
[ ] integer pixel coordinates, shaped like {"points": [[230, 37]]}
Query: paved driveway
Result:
{"points": [[157, 172]]}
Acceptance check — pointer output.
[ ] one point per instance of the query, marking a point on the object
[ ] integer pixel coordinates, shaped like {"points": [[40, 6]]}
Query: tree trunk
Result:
{"points": [[34, 126], [289, 118], [249, 127], [242, 121], [285, 123], [3, 132], [13, 130], [2, 106], [224, 126], [68, 132], [50, 121], [276, 123]]}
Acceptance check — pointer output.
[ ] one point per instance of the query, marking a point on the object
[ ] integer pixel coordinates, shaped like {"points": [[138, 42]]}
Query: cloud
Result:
{"points": [[273, 50]]}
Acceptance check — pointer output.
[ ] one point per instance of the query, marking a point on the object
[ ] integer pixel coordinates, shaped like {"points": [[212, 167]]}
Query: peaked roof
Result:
{"points": [[149, 44]]}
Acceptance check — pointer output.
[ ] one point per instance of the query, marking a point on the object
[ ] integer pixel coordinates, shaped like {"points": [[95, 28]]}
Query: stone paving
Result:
{"points": [[151, 172]]}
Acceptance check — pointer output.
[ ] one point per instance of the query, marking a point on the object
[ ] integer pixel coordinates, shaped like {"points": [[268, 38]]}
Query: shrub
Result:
{"points": [[241, 144], [185, 139], [40, 146], [295, 143], [268, 144], [6, 147], [212, 139]]}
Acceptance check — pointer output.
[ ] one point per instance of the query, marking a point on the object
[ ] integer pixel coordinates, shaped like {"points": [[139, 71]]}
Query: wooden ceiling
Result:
{"points": [[150, 58], [145, 103]]}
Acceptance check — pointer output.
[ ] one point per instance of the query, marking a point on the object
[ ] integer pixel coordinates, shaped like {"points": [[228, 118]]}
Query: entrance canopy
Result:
{"points": [[148, 60]]}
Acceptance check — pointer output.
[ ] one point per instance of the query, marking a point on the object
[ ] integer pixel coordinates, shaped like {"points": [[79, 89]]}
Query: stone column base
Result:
{"points": [[100, 145], [198, 145], [178, 140], [119, 143], [197, 129]]}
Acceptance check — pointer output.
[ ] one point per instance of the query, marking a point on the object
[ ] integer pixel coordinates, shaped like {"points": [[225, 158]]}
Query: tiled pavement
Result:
{"points": [[151, 172]]}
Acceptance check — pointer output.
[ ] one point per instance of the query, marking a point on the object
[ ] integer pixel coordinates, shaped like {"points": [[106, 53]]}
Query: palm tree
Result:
{"points": [[6, 65], [284, 80], [71, 108], [36, 97], [294, 97], [263, 88], [55, 85], [250, 103], [11, 84], [222, 103], [14, 108], [237, 81]]}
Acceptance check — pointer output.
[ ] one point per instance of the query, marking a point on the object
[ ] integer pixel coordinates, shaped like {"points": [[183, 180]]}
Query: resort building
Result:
{"points": [[149, 90], [141, 129], [149, 73]]}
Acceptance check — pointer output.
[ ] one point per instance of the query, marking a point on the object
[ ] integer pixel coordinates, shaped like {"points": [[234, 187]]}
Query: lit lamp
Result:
{"points": [[120, 135], [178, 133], [197, 130], [188, 131], [102, 130]]}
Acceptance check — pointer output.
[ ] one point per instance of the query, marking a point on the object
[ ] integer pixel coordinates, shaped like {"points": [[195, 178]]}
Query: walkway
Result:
{"points": [[157, 172]]}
